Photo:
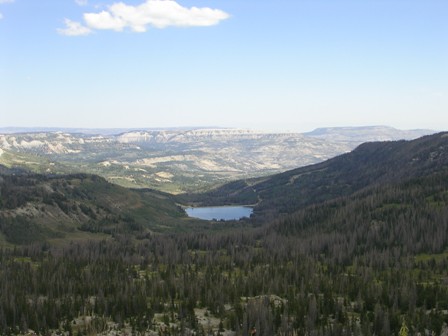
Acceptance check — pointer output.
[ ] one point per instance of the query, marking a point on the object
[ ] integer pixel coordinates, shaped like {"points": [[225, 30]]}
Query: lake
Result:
{"points": [[220, 212]]}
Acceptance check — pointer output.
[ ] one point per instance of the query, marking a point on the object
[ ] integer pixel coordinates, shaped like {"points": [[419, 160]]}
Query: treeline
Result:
{"points": [[246, 279]]}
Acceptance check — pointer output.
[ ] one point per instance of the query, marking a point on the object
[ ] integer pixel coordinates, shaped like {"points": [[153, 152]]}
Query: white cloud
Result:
{"points": [[104, 20], [154, 13], [3, 2], [74, 29], [81, 2]]}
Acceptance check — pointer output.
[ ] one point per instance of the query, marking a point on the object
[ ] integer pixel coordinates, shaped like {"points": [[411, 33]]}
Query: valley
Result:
{"points": [[353, 245], [178, 161], [223, 168]]}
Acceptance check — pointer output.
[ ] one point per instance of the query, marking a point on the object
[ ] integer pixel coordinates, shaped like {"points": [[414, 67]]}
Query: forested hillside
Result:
{"points": [[357, 245], [35, 208]]}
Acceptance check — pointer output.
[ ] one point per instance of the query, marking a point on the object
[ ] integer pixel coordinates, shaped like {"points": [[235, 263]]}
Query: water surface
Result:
{"points": [[220, 213]]}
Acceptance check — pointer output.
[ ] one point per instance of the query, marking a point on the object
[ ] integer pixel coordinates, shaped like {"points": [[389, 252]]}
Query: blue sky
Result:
{"points": [[277, 65]]}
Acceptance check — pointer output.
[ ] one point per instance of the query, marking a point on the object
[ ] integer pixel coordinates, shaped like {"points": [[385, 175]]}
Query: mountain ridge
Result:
{"points": [[179, 160]]}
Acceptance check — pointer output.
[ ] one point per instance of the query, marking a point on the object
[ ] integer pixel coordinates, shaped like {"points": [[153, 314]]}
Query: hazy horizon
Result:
{"points": [[117, 130]]}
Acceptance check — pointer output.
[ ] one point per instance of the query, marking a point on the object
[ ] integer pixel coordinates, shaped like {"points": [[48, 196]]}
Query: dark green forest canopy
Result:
{"points": [[242, 279]]}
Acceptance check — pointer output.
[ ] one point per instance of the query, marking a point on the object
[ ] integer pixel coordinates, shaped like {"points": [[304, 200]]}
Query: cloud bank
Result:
{"points": [[152, 13]]}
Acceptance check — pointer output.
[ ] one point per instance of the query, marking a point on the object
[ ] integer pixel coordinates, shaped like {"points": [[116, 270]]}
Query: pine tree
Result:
{"points": [[403, 330]]}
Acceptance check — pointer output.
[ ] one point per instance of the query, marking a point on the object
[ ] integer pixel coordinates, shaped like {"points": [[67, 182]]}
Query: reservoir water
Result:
{"points": [[219, 213]]}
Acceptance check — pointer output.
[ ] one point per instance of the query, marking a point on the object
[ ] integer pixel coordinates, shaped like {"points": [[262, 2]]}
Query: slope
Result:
{"points": [[37, 207], [369, 164], [401, 218]]}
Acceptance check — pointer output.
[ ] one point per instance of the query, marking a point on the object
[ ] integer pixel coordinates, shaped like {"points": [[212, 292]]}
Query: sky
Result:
{"points": [[284, 65]]}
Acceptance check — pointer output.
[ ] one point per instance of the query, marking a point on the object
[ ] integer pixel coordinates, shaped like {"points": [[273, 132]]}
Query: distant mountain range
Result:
{"points": [[92, 131], [368, 133], [180, 160]]}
